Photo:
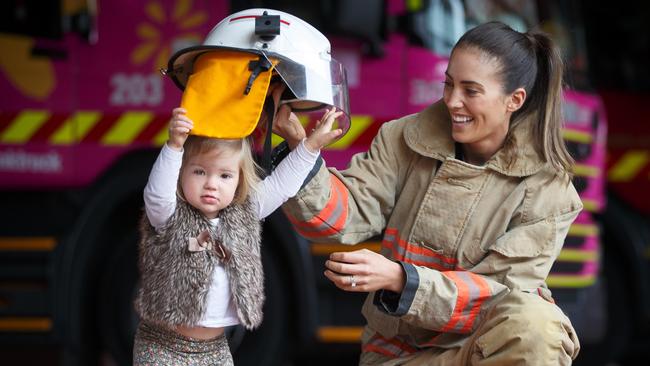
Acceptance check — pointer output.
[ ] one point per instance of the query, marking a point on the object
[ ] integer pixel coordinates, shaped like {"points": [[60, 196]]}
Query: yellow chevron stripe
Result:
{"points": [[85, 122], [576, 255], [586, 170], [24, 126], [332, 334], [590, 205], [304, 119], [583, 230], [127, 127], [358, 124], [570, 281], [275, 140], [161, 137], [577, 136], [628, 166], [64, 135], [75, 128], [414, 5]]}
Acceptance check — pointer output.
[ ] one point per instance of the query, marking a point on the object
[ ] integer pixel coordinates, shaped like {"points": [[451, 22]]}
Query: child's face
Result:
{"points": [[209, 180]]}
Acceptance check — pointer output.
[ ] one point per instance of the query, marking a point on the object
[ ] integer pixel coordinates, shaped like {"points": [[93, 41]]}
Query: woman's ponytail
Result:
{"points": [[546, 99]]}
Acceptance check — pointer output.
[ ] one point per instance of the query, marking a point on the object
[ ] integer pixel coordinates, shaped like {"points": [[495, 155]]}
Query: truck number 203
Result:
{"points": [[136, 90]]}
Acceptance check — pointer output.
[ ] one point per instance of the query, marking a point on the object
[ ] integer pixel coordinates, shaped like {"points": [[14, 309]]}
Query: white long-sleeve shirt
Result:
{"points": [[160, 204]]}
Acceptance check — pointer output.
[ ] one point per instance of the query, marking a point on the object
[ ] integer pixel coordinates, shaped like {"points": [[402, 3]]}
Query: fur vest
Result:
{"points": [[175, 280]]}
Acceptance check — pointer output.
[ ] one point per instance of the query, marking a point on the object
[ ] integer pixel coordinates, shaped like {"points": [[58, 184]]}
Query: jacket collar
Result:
{"points": [[429, 135]]}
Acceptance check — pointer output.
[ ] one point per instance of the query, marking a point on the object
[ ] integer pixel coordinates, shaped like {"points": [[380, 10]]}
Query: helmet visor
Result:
{"points": [[317, 85]]}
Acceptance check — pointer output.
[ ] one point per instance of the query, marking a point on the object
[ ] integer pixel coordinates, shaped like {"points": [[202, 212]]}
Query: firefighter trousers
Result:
{"points": [[521, 329]]}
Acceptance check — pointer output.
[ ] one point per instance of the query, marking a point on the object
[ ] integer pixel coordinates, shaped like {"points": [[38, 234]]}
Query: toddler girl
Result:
{"points": [[200, 250]]}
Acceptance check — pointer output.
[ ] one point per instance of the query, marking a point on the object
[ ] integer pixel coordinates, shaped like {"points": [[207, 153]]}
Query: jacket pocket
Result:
{"points": [[433, 257], [433, 248], [473, 254], [527, 240]]}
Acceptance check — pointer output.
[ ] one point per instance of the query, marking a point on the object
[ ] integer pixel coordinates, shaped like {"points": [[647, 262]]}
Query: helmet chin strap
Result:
{"points": [[269, 111]]}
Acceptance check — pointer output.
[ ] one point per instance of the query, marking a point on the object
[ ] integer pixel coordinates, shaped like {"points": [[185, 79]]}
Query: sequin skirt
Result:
{"points": [[156, 346]]}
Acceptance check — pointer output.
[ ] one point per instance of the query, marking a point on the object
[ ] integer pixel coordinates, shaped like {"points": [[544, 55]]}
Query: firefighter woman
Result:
{"points": [[473, 197]]}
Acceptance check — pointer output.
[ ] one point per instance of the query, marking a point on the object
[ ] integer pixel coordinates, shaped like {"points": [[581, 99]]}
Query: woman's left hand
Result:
{"points": [[364, 271], [288, 126]]}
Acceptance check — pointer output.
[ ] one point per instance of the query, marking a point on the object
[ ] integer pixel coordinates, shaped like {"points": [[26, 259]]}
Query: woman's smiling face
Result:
{"points": [[475, 98]]}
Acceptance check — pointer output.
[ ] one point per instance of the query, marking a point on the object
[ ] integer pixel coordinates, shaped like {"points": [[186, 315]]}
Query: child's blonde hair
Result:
{"points": [[248, 169]]}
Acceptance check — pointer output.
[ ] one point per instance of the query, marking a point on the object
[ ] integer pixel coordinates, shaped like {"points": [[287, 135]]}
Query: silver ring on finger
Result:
{"points": [[352, 282]]}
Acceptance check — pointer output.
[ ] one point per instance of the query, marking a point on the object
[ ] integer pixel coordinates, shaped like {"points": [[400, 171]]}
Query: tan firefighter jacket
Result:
{"points": [[465, 234]]}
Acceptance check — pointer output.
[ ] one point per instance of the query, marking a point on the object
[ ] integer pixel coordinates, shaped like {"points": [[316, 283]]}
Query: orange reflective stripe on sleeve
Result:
{"points": [[331, 219], [392, 347], [382, 351], [473, 290]]}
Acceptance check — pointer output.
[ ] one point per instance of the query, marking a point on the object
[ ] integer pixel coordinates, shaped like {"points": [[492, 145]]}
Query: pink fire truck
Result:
{"points": [[84, 110]]}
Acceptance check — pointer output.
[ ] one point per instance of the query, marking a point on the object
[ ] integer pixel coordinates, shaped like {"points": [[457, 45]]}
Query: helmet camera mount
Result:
{"points": [[267, 26]]}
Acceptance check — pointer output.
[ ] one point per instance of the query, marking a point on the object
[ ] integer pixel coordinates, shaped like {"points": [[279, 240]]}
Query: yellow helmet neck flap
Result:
{"points": [[225, 94]]}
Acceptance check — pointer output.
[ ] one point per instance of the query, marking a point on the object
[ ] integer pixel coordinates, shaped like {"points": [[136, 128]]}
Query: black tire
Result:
{"points": [[117, 317], [266, 345]]}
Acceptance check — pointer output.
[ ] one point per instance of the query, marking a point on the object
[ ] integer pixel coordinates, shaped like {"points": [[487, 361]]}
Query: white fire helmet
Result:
{"points": [[314, 78]]}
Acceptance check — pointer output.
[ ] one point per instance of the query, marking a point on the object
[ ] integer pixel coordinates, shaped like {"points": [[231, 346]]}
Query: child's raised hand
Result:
{"points": [[179, 128], [323, 134]]}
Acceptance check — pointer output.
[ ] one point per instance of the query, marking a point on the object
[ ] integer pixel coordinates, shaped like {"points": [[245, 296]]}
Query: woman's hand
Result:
{"points": [[364, 271], [179, 128], [288, 126], [322, 134]]}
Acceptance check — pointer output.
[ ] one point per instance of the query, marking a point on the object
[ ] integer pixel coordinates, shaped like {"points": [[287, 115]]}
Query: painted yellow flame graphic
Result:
{"points": [[153, 47]]}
